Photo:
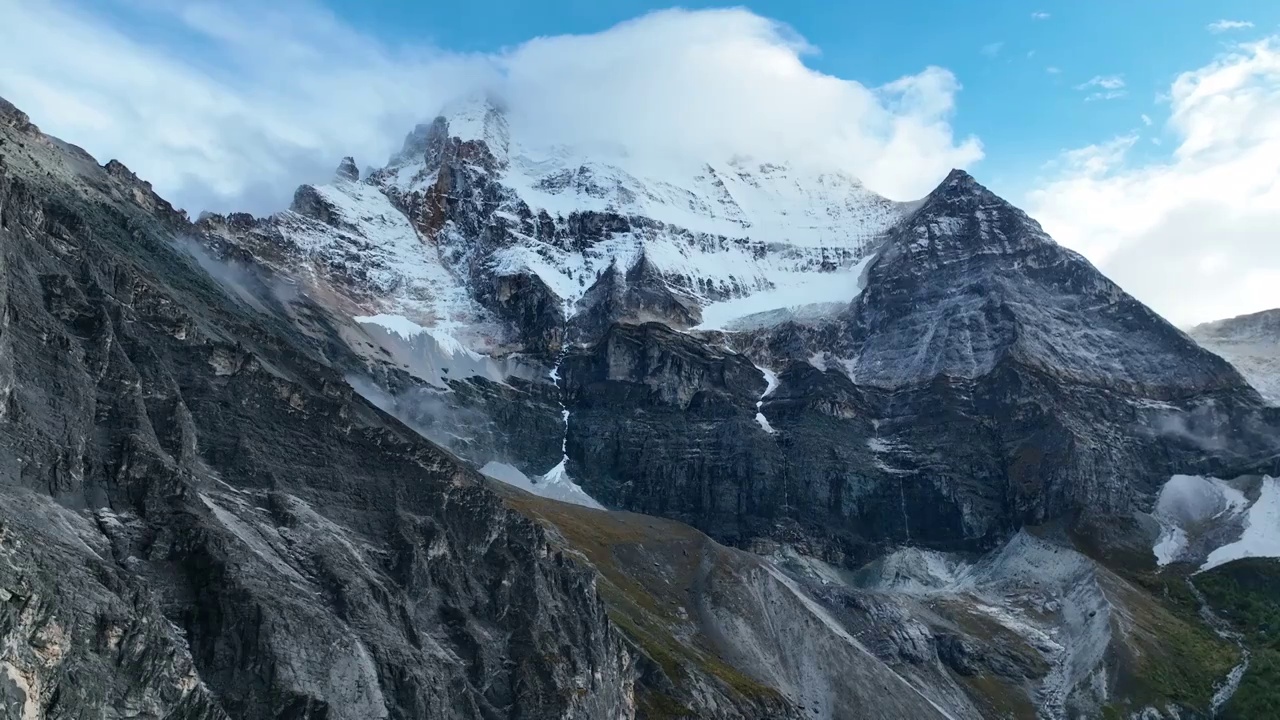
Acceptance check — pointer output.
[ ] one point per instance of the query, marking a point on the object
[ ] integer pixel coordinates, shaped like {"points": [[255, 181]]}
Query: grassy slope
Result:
{"points": [[648, 566], [1169, 655], [1173, 656]]}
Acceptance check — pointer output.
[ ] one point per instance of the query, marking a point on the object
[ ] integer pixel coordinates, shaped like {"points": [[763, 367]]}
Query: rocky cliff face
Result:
{"points": [[894, 460], [201, 519]]}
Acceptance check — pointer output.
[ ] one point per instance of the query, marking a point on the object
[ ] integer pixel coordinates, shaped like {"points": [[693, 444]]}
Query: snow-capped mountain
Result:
{"points": [[802, 452], [470, 224], [1251, 343]]}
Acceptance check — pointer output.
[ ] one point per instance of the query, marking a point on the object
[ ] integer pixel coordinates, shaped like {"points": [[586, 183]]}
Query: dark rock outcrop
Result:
{"points": [[347, 170], [637, 294]]}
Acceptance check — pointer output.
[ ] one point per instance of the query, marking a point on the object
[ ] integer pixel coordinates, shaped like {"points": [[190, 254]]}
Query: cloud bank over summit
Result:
{"points": [[230, 106]]}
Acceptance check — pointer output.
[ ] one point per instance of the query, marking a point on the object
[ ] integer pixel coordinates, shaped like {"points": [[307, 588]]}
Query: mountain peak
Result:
{"points": [[15, 118], [479, 117], [960, 215], [960, 183], [470, 119], [347, 170]]}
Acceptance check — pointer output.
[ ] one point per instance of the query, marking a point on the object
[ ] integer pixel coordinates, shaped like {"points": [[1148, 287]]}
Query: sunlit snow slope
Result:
{"points": [[739, 235]]}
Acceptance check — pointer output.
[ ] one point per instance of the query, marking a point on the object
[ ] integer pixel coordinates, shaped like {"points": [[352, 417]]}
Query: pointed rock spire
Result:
{"points": [[347, 170]]}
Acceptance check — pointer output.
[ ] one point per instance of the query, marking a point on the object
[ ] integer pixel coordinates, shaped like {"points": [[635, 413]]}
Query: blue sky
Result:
{"points": [[1000, 50], [1149, 147]]}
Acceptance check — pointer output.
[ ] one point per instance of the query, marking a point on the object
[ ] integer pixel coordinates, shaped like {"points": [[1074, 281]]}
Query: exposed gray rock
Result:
{"points": [[985, 379], [200, 518], [347, 170]]}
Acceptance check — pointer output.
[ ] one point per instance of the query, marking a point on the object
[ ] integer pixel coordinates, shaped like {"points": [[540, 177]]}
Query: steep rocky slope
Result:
{"points": [[935, 374], [200, 518]]}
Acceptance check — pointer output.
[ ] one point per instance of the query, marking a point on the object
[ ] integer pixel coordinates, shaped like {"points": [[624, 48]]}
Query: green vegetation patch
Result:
{"points": [[1171, 656], [1246, 593]]}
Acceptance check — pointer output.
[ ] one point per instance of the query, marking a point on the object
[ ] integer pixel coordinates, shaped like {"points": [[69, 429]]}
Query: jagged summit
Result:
{"points": [[961, 180], [481, 118], [475, 119], [961, 215], [347, 170], [496, 212]]}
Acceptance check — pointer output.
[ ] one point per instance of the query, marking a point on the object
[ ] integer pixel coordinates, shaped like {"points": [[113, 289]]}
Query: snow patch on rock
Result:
{"points": [[771, 384], [796, 293], [555, 484], [1187, 503], [1261, 537], [398, 324]]}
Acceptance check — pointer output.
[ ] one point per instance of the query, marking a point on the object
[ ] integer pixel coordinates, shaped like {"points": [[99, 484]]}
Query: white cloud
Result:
{"points": [[1040, 16], [271, 99], [992, 49], [230, 105], [1105, 87], [1053, 70], [1194, 235], [1146, 120], [1106, 82], [1094, 160], [1222, 26]]}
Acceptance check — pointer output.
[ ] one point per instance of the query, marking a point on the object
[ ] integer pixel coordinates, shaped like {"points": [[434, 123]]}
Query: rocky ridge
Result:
{"points": [[201, 519]]}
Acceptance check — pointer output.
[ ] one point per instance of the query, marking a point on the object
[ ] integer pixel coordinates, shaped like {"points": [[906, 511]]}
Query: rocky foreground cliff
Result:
{"points": [[240, 457]]}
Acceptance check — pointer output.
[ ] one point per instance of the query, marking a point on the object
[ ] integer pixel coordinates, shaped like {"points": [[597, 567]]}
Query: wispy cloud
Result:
{"points": [[1154, 224], [1104, 87], [1146, 120], [1095, 160], [1106, 82], [1053, 70], [992, 49], [1222, 26], [229, 106], [1040, 16]]}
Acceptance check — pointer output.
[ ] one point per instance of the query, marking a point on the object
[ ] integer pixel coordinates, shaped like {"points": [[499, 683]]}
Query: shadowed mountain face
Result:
{"points": [[894, 460], [201, 519]]}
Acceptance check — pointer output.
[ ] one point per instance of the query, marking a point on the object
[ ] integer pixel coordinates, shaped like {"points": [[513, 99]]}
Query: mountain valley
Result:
{"points": [[501, 430]]}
